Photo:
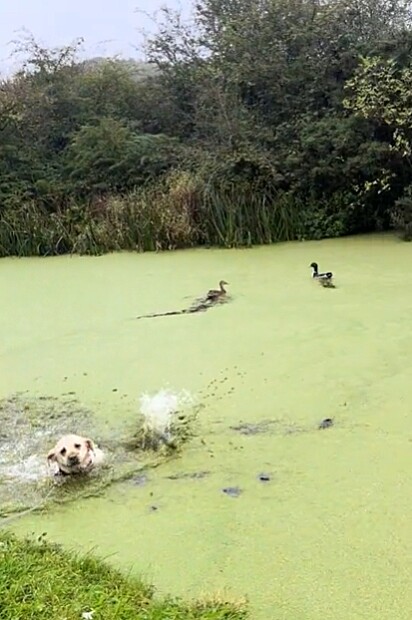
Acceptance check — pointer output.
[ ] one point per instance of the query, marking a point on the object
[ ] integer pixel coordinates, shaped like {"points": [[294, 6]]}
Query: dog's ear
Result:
{"points": [[89, 444], [51, 456]]}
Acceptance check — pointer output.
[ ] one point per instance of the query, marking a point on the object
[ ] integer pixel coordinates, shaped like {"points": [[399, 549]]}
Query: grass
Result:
{"points": [[39, 580], [179, 211]]}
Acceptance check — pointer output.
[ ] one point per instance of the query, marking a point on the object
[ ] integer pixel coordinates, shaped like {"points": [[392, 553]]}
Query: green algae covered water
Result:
{"points": [[307, 523]]}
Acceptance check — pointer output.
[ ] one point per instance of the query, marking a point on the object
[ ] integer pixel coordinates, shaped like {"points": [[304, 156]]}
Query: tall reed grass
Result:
{"points": [[243, 215], [182, 210]]}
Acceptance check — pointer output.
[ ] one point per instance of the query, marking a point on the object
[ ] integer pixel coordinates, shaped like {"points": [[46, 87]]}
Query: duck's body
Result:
{"points": [[324, 278], [215, 294], [326, 423]]}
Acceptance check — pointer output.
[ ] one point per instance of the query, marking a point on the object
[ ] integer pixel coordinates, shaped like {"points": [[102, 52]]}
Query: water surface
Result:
{"points": [[328, 536]]}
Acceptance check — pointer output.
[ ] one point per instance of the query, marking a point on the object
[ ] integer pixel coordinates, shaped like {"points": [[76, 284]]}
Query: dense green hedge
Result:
{"points": [[256, 123]]}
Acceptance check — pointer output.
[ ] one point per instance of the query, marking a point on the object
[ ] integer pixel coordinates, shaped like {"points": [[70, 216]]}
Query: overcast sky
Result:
{"points": [[109, 27]]}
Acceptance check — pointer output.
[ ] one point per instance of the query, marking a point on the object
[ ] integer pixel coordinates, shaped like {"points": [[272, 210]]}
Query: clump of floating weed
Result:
{"points": [[166, 421]]}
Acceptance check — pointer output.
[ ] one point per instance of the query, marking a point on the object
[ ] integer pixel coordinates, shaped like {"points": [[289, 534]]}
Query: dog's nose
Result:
{"points": [[73, 460]]}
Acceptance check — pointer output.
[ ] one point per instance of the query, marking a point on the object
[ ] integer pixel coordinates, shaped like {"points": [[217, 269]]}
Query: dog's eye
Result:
{"points": [[63, 451], [77, 446]]}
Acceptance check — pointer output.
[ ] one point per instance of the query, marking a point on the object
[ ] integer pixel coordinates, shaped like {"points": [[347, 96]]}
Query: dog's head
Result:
{"points": [[72, 454]]}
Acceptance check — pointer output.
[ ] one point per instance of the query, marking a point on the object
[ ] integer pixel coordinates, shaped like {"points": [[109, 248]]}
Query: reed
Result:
{"points": [[244, 215], [180, 211]]}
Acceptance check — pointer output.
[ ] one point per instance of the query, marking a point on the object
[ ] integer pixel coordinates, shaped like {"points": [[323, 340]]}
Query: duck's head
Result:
{"points": [[223, 283], [314, 266]]}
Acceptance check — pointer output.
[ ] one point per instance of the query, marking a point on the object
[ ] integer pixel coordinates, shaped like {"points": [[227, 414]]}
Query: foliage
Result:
{"points": [[379, 91], [402, 214], [110, 156], [253, 123], [40, 580], [149, 219]]}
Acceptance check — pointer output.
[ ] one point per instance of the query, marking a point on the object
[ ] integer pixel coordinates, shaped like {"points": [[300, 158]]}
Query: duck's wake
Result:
{"points": [[199, 306]]}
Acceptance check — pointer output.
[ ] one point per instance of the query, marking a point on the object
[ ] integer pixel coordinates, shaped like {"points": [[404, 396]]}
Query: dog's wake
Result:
{"points": [[29, 427]]}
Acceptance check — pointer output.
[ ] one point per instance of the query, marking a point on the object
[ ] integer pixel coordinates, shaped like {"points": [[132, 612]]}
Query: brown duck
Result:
{"points": [[215, 294]]}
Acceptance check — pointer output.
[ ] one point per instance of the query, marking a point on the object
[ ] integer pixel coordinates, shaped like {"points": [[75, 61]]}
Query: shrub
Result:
{"points": [[401, 215]]}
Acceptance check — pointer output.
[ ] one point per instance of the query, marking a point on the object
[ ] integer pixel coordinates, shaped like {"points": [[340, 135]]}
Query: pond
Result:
{"points": [[309, 523]]}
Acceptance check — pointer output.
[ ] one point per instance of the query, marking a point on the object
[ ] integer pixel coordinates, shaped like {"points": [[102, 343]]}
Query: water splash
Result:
{"points": [[160, 410], [22, 458], [30, 469], [30, 426]]}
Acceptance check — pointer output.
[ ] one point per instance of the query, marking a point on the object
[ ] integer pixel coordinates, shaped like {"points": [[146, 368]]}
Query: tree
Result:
{"points": [[111, 156]]}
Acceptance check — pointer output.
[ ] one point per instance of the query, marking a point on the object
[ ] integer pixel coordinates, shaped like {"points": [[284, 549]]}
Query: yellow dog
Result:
{"points": [[74, 454]]}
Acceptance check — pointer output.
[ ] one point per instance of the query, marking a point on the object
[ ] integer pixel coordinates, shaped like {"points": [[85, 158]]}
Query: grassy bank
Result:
{"points": [[39, 580]]}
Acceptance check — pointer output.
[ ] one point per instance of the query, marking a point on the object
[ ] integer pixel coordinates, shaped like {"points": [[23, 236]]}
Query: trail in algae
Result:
{"points": [[326, 534], [199, 305]]}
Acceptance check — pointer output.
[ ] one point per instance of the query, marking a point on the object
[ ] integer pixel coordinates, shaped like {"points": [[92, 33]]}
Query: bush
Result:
{"points": [[111, 156], [159, 217], [401, 215], [323, 218]]}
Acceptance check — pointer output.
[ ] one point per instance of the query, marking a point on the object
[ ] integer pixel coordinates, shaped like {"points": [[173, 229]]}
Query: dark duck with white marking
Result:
{"points": [[325, 278]]}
